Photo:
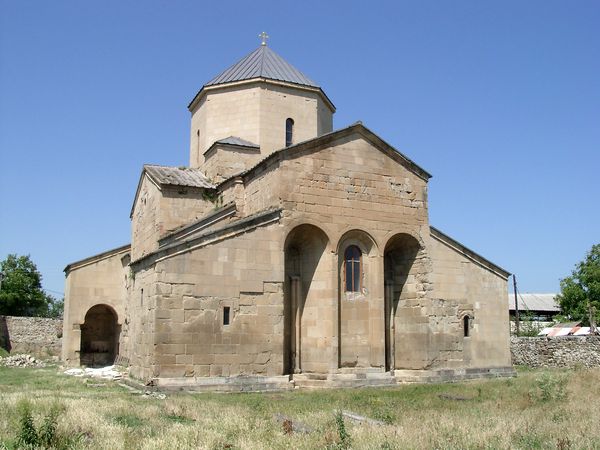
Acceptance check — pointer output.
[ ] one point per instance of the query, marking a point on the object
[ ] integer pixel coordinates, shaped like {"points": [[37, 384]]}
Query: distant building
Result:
{"points": [[540, 307]]}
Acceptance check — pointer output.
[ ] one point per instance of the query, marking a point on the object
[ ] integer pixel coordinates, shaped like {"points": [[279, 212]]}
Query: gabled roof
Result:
{"points": [[95, 258], [262, 63], [172, 176], [178, 176], [326, 139], [467, 252], [234, 140]]}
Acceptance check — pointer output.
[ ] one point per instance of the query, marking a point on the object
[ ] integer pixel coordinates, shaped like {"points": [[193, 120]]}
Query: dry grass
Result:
{"points": [[526, 412]]}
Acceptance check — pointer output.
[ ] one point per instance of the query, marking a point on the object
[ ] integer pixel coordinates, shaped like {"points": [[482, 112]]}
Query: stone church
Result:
{"points": [[286, 254]]}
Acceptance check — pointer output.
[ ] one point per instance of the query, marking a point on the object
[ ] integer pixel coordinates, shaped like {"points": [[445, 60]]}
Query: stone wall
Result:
{"points": [[567, 351], [34, 335]]}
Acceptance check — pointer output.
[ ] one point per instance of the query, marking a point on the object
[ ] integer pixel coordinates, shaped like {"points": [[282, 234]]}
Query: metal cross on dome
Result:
{"points": [[264, 36]]}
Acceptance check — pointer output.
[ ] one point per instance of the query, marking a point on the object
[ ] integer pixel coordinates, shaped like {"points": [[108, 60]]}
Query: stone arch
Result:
{"points": [[356, 331], [100, 333], [358, 237], [404, 269], [307, 299]]}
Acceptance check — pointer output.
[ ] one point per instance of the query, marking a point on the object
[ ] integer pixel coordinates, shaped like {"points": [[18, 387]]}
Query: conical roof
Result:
{"points": [[263, 63]]}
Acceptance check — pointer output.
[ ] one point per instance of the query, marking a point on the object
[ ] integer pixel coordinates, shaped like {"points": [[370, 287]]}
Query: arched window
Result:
{"points": [[466, 326], [352, 269], [289, 132]]}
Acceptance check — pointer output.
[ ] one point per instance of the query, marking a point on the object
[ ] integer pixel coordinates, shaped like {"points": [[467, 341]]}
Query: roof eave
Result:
{"points": [[326, 139], [97, 257], [192, 105], [231, 146], [139, 186]]}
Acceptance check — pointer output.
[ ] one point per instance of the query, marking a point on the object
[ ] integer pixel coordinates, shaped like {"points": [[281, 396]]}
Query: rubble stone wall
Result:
{"points": [[565, 351], [38, 336]]}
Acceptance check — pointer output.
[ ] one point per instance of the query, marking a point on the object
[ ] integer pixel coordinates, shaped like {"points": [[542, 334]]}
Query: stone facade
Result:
{"points": [[563, 351], [243, 278], [37, 336]]}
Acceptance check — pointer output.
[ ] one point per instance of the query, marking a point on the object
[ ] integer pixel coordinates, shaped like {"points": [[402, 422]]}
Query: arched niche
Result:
{"points": [[307, 298], [402, 269], [357, 303]]}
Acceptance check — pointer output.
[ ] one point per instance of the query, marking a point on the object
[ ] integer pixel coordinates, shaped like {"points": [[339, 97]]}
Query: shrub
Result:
{"points": [[46, 436], [27, 432], [344, 440], [552, 386]]}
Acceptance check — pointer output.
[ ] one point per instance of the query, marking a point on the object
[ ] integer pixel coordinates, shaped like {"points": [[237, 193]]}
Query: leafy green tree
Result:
{"points": [[582, 289], [56, 308], [21, 291]]}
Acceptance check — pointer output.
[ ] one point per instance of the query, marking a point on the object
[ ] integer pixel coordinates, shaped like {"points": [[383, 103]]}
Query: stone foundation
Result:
{"points": [[343, 379], [564, 351], [37, 336]]}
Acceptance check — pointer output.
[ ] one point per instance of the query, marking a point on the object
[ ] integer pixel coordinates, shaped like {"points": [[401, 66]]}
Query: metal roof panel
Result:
{"points": [[534, 302], [262, 63], [234, 140]]}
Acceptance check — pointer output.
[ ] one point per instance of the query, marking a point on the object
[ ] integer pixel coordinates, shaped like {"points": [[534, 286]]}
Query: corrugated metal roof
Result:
{"points": [[234, 140], [177, 176], [262, 63], [534, 302]]}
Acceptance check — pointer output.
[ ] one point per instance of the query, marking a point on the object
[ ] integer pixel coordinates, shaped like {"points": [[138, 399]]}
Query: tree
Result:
{"points": [[56, 308], [580, 292], [21, 291]]}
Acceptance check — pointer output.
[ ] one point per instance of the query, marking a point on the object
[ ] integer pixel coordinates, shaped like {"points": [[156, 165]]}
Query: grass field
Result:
{"points": [[536, 410]]}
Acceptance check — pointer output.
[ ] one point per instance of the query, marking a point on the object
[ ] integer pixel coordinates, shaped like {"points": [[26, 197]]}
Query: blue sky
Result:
{"points": [[500, 101]]}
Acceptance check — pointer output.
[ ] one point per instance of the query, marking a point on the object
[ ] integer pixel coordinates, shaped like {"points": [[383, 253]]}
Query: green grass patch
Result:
{"points": [[128, 420], [538, 409]]}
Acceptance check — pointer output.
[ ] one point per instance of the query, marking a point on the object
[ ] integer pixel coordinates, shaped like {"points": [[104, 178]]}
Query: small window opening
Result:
{"points": [[142, 297], [466, 326], [226, 317], [289, 132], [352, 269]]}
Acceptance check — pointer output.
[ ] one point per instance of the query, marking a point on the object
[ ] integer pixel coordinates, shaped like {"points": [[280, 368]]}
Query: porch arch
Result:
{"points": [[100, 333]]}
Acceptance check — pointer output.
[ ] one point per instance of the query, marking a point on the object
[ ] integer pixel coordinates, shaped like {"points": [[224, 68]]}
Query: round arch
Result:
{"points": [[100, 333], [401, 267], [355, 236], [306, 292], [296, 226]]}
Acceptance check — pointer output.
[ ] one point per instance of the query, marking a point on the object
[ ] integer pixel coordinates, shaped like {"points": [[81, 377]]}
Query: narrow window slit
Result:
{"points": [[226, 317]]}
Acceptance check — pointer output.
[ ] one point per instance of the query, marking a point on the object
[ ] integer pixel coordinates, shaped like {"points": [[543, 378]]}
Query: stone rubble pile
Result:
{"points": [[21, 361], [107, 373]]}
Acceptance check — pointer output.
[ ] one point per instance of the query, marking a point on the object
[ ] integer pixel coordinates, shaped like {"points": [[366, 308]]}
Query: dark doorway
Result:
{"points": [[99, 337]]}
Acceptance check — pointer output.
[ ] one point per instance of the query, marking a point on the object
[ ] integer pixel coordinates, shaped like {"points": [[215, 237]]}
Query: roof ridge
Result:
{"points": [[262, 58]]}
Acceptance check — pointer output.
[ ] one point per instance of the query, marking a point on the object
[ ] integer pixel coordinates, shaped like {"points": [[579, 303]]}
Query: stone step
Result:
{"points": [[361, 370]]}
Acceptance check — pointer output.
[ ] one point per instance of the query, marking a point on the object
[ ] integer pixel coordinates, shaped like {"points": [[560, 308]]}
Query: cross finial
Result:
{"points": [[264, 36]]}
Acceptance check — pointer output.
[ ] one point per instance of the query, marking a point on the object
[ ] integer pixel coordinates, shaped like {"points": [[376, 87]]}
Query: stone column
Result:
{"points": [[377, 312], [334, 300]]}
